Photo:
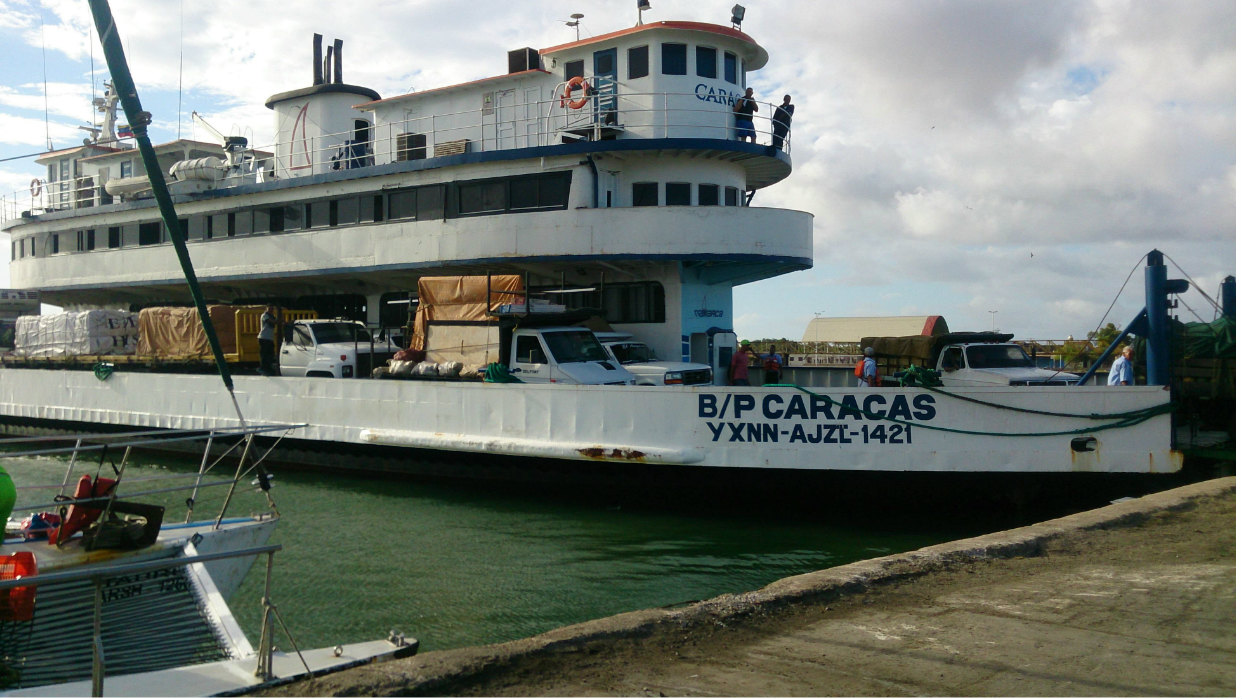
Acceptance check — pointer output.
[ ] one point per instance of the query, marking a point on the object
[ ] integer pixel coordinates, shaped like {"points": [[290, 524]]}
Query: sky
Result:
{"points": [[1002, 164]]}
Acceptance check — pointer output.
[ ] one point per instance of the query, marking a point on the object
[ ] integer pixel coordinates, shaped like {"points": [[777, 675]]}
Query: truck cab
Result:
{"points": [[642, 362], [563, 355], [340, 349], [995, 364]]}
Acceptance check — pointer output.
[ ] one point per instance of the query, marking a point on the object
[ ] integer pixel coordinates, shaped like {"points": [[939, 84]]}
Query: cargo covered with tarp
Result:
{"points": [[454, 321], [76, 333], [177, 332]]}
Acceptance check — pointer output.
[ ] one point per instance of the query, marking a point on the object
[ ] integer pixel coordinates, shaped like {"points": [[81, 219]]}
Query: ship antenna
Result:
{"points": [[180, 67], [47, 127]]}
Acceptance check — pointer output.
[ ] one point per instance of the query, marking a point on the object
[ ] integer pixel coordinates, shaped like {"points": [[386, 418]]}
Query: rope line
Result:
{"points": [[1126, 419]]}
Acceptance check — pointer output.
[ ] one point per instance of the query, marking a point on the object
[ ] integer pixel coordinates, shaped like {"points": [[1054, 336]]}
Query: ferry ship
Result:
{"points": [[611, 172]]}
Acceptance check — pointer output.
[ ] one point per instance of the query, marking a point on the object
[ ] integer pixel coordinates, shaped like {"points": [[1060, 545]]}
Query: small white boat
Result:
{"points": [[102, 593]]}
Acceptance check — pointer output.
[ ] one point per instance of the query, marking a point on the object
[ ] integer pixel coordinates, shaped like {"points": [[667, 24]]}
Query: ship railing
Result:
{"points": [[220, 447], [610, 111], [44, 197]]}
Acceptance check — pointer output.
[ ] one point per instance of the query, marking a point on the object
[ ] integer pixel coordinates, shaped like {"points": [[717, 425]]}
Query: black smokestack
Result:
{"points": [[336, 65], [318, 77]]}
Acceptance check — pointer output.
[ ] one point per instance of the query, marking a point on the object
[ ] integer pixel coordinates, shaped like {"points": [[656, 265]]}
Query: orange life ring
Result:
{"points": [[573, 84], [36, 186]]}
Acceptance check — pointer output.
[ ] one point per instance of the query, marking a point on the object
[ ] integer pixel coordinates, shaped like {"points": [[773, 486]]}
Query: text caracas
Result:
{"points": [[776, 406]]}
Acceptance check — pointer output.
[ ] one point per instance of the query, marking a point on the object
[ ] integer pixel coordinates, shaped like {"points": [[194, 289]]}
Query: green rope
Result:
{"points": [[103, 370], [1127, 419]]}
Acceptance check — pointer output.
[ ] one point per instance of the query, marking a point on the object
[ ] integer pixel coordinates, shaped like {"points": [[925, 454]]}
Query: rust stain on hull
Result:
{"points": [[613, 454]]}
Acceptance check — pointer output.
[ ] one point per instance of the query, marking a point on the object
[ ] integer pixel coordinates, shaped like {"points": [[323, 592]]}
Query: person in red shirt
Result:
{"points": [[739, 366]]}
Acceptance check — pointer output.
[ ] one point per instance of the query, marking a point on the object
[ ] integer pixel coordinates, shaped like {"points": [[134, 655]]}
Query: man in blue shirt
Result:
{"points": [[868, 378], [1122, 372], [772, 364]]}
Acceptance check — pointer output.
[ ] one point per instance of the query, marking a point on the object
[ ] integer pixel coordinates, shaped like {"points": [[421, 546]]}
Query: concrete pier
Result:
{"points": [[1137, 598]]}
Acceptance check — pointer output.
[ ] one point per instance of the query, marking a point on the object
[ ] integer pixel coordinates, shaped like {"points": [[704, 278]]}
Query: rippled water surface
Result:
{"points": [[457, 566]]}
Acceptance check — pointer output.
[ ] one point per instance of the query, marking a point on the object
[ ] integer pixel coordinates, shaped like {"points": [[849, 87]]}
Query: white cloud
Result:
{"points": [[959, 157]]}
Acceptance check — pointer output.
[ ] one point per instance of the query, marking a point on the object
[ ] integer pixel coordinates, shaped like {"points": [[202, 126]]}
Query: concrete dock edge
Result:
{"points": [[427, 673]]}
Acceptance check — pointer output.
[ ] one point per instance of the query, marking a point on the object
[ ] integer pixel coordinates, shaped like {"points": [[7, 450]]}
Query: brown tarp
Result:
{"points": [[173, 331], [457, 299]]}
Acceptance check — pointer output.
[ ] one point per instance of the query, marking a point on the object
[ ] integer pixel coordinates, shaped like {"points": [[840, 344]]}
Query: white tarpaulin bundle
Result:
{"points": [[76, 333]]}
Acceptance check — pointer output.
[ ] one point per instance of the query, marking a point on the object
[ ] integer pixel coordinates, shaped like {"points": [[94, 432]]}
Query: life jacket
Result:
{"points": [[771, 364], [858, 368], [79, 516]]}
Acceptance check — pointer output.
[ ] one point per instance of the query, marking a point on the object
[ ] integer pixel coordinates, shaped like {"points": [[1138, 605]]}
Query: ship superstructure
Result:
{"points": [[609, 165]]}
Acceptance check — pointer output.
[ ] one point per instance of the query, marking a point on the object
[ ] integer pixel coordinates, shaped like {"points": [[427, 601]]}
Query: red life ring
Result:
{"points": [[36, 186], [573, 84]]}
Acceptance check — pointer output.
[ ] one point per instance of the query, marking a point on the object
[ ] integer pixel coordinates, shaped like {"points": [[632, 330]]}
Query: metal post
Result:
{"points": [[1157, 320], [263, 669], [97, 650], [1228, 297]]}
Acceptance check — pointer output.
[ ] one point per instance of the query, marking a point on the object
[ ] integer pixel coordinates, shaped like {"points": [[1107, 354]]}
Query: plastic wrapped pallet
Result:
{"points": [[76, 333]]}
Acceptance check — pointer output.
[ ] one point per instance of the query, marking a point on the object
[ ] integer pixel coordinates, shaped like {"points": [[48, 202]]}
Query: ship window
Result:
{"points": [[709, 195], [129, 234], [221, 225], [319, 214], [64, 171], [403, 204], [574, 69], [199, 228], [677, 194], [291, 219], [730, 196], [646, 194], [114, 236], [55, 243], [127, 168], [372, 209], [431, 203], [262, 220], [90, 239], [639, 302], [705, 61], [730, 67], [346, 211], [242, 222], [411, 146], [149, 233], [638, 67], [673, 59], [481, 197]]}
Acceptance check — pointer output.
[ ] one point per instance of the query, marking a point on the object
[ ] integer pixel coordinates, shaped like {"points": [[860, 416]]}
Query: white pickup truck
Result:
{"points": [[564, 355], [643, 363], [340, 349], [965, 359]]}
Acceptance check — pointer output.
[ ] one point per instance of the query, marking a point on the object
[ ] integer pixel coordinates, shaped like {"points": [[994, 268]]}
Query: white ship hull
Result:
{"points": [[909, 429]]}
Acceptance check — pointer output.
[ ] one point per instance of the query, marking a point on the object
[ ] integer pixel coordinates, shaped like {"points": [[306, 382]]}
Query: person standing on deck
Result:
{"points": [[870, 377], [744, 116], [780, 122], [772, 365], [1122, 372], [739, 366], [267, 343]]}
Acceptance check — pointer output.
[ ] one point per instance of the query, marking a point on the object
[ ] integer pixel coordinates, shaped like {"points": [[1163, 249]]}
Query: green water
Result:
{"points": [[455, 566]]}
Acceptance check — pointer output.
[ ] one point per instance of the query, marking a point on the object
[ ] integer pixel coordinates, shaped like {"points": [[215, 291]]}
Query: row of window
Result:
{"points": [[679, 194], [622, 302], [674, 60], [540, 192]]}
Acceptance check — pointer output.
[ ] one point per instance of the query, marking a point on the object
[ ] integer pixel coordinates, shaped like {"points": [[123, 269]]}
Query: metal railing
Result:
{"points": [[610, 109]]}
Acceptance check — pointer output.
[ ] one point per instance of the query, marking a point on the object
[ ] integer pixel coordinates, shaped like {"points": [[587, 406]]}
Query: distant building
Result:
{"points": [[853, 329]]}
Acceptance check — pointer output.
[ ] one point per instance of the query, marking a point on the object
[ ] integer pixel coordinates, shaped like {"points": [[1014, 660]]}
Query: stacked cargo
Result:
{"points": [[76, 333]]}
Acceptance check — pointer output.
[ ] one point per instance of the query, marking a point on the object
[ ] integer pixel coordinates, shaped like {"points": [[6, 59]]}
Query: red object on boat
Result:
{"points": [[17, 603], [79, 516]]}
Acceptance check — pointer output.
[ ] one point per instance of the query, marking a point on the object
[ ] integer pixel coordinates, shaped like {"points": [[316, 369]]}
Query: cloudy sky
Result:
{"points": [[997, 163]]}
